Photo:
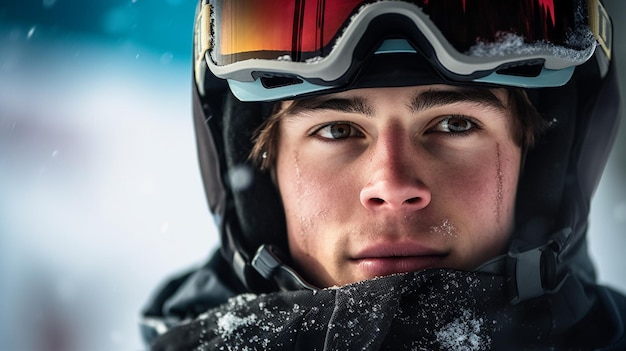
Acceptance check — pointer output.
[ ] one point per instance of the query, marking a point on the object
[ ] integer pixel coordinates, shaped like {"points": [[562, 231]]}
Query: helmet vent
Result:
{"points": [[279, 82], [532, 70]]}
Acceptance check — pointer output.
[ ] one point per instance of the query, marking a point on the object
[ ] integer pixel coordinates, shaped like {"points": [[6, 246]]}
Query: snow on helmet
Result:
{"points": [[249, 54]]}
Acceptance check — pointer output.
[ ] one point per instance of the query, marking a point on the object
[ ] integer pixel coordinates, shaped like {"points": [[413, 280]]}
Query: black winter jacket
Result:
{"points": [[431, 310]]}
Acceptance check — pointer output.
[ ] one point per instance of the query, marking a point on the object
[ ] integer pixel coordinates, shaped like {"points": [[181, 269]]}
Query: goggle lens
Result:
{"points": [[271, 29], [299, 30]]}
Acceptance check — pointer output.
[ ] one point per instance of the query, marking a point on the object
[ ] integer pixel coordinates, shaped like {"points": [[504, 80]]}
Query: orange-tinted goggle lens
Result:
{"points": [[273, 28]]}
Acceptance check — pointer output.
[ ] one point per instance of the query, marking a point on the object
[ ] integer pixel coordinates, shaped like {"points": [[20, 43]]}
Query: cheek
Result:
{"points": [[509, 160], [315, 202], [482, 188], [313, 189], [311, 195], [479, 197]]}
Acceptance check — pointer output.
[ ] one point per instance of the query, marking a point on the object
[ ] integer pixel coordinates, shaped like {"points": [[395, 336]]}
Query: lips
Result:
{"points": [[386, 259]]}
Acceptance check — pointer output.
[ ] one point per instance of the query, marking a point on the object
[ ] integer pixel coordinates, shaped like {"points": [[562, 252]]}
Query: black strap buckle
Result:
{"points": [[536, 272], [270, 266]]}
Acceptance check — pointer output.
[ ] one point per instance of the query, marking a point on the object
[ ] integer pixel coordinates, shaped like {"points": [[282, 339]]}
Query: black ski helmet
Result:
{"points": [[414, 44]]}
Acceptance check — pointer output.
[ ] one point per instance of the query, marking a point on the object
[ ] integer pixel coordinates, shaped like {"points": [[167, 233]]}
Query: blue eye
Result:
{"points": [[455, 124], [338, 130]]}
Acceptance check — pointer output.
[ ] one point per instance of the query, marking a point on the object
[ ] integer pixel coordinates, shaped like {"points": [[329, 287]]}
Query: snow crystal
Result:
{"points": [[464, 334], [445, 228], [31, 32], [166, 58], [48, 3], [241, 300], [284, 58], [510, 44], [229, 322], [240, 177], [315, 59]]}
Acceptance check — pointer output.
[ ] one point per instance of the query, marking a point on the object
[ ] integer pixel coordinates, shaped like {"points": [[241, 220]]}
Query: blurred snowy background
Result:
{"points": [[100, 193]]}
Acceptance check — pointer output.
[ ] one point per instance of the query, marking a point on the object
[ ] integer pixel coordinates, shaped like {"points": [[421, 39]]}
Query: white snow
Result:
{"points": [[464, 334], [513, 44], [445, 228], [230, 322]]}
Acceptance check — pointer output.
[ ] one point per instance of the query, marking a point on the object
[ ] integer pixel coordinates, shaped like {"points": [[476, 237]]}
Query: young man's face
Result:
{"points": [[390, 180]]}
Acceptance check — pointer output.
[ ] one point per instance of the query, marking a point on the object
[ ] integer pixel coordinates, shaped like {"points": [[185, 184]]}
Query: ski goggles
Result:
{"points": [[275, 49]]}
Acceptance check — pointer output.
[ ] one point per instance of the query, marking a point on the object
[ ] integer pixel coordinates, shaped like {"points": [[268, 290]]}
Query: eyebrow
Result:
{"points": [[347, 105], [435, 98], [421, 102]]}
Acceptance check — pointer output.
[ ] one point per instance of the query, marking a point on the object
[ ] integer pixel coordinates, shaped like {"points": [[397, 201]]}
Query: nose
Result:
{"points": [[393, 182]]}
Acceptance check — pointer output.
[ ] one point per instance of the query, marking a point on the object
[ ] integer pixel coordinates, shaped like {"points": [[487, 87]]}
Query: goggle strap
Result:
{"points": [[205, 28], [600, 24], [202, 39]]}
